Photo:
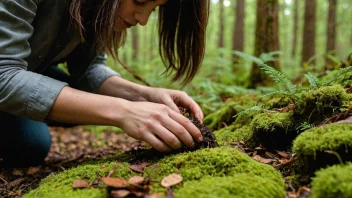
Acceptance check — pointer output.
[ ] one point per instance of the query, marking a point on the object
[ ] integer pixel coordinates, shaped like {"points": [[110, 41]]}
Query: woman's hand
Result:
{"points": [[158, 125], [173, 99]]}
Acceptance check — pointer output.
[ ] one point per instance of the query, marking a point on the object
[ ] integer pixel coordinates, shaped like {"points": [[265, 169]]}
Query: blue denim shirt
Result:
{"points": [[35, 34]]}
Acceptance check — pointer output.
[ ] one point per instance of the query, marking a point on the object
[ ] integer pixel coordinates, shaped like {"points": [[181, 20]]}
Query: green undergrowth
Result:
{"points": [[238, 186], [333, 182]]}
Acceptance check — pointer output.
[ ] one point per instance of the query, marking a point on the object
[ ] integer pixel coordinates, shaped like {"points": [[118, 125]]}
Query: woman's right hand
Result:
{"points": [[158, 125]]}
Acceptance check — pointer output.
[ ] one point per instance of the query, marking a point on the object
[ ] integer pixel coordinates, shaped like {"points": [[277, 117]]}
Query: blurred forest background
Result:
{"points": [[293, 36]]}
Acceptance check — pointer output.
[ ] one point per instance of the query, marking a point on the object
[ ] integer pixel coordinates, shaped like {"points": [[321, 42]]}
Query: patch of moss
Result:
{"points": [[238, 186], [229, 134], [222, 161], [224, 115], [277, 102], [326, 145], [333, 182], [318, 104], [274, 130], [60, 185]]}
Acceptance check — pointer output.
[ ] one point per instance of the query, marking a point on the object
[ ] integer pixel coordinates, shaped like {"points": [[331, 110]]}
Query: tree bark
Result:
{"points": [[331, 33], [221, 24], [295, 27], [309, 31], [266, 39], [238, 32]]}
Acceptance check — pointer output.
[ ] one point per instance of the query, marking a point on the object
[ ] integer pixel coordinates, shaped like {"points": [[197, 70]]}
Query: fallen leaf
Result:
{"points": [[171, 180], [33, 170], [136, 180], [114, 182], [345, 121], [138, 167], [262, 160], [283, 154], [120, 193], [80, 183], [17, 172], [15, 182]]}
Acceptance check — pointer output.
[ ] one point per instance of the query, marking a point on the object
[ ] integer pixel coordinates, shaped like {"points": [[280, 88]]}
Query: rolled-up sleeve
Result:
{"points": [[96, 74], [22, 92]]}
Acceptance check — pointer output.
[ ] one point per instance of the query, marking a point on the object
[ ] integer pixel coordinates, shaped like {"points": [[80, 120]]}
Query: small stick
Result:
{"points": [[4, 180]]}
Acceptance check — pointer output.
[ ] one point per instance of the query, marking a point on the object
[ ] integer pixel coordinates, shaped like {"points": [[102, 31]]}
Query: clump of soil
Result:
{"points": [[209, 140]]}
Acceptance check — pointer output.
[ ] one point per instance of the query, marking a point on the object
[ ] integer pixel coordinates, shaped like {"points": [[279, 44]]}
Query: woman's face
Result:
{"points": [[132, 12]]}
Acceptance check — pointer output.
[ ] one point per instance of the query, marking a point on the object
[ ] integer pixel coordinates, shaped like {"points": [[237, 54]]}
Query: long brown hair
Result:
{"points": [[182, 30]]}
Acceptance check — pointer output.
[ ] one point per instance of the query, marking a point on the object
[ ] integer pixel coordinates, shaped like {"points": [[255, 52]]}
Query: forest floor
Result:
{"points": [[74, 146]]}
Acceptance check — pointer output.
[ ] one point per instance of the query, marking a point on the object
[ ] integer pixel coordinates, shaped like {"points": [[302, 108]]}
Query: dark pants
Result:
{"points": [[24, 142]]}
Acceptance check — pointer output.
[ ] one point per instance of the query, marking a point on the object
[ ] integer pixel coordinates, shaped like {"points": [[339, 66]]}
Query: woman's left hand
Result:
{"points": [[175, 99]]}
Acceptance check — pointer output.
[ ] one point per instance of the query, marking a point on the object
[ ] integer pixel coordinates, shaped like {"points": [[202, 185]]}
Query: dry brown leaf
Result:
{"points": [[138, 167], [16, 182], [171, 180], [33, 170], [17, 172], [262, 160], [282, 154], [291, 195], [114, 182], [120, 193], [80, 183], [136, 180]]}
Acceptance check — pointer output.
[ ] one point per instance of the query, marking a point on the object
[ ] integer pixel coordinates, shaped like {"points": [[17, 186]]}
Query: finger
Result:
{"points": [[167, 137], [156, 143], [170, 103], [188, 126], [188, 102]]}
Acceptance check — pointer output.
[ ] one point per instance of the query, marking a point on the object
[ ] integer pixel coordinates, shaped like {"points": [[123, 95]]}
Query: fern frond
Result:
{"points": [[245, 112], [248, 57], [341, 74], [313, 80], [279, 78]]}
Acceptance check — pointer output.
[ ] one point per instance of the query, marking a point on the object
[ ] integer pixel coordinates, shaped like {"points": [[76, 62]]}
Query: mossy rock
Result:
{"points": [[322, 146], [223, 116], [274, 131], [237, 186], [60, 185], [333, 182], [229, 134], [277, 102], [217, 162], [319, 104]]}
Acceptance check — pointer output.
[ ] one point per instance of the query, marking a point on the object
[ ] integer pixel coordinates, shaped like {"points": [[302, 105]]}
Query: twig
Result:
{"points": [[134, 75], [4, 180]]}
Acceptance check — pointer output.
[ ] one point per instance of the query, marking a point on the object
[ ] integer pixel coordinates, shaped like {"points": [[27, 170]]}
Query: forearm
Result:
{"points": [[118, 87], [75, 106]]}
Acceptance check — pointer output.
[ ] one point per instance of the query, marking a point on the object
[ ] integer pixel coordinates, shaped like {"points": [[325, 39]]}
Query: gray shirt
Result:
{"points": [[35, 34]]}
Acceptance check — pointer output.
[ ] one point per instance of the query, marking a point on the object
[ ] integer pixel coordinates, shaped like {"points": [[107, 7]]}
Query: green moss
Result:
{"points": [[225, 115], [223, 161], [238, 186], [60, 185], [229, 134], [274, 130], [278, 102], [333, 182], [318, 104]]}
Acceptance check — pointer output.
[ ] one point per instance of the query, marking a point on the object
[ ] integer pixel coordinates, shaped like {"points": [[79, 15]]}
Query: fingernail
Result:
{"points": [[200, 139]]}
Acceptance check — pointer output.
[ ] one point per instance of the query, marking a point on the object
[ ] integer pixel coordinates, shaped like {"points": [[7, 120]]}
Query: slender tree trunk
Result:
{"points": [[221, 24], [238, 32], [309, 31], [135, 44], [266, 39], [295, 27], [331, 33]]}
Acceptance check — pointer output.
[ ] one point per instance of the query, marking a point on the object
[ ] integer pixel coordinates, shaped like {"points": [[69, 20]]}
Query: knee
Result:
{"points": [[32, 145]]}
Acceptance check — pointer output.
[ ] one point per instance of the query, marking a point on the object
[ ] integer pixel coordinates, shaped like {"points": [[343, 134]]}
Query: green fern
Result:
{"points": [[341, 75], [280, 79], [313, 80]]}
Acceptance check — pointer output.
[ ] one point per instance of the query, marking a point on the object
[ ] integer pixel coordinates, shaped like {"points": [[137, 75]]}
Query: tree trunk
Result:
{"points": [[331, 33], [238, 33], [135, 44], [309, 31], [221, 25], [266, 39], [295, 27]]}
